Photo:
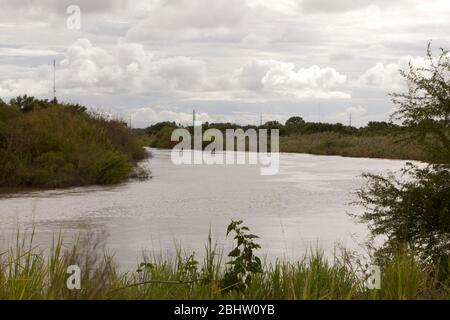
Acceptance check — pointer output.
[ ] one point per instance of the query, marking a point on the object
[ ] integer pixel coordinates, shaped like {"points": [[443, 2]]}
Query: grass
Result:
{"points": [[367, 146], [385, 146], [27, 272]]}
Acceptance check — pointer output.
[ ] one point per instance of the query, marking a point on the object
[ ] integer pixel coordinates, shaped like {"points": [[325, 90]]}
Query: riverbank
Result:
{"points": [[374, 146], [376, 140], [46, 144], [26, 273], [335, 144]]}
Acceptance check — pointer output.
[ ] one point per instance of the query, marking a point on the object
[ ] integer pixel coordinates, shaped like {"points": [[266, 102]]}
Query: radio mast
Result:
{"points": [[54, 80]]}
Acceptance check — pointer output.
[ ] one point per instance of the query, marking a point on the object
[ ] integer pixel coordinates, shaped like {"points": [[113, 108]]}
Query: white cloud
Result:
{"points": [[387, 75], [128, 68], [284, 53], [12, 88], [156, 114], [150, 115], [284, 80], [356, 110], [32, 82], [254, 40], [26, 52], [289, 7], [382, 75], [184, 19], [328, 6]]}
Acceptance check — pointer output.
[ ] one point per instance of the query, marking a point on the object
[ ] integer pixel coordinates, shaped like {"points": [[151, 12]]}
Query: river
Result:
{"points": [[304, 206]]}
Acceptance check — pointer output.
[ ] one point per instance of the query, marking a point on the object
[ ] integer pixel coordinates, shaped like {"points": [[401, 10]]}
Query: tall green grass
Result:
{"points": [[29, 272]]}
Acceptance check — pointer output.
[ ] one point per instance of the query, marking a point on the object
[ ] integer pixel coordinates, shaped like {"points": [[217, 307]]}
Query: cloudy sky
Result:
{"points": [[156, 60]]}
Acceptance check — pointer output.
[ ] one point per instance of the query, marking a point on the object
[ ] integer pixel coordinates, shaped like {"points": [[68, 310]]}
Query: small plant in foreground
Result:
{"points": [[243, 261]]}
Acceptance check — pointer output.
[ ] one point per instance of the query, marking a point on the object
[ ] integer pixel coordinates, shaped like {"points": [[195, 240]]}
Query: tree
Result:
{"points": [[2, 103], [295, 121], [28, 103], [425, 107], [379, 125], [154, 129], [74, 107], [413, 211], [272, 124]]}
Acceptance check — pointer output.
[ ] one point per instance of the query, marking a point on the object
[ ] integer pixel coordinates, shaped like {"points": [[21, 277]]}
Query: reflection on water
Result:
{"points": [[303, 206]]}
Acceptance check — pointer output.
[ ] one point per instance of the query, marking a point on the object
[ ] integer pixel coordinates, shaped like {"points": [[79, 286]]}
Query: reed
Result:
{"points": [[30, 272]]}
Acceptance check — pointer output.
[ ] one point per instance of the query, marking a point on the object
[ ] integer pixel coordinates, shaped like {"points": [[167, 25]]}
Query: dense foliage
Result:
{"points": [[425, 107], [48, 144], [413, 212]]}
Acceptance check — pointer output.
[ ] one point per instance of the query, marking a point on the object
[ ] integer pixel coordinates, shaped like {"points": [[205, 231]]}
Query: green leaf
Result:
{"points": [[234, 253]]}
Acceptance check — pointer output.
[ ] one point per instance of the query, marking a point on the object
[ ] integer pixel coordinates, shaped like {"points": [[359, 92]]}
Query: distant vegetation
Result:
{"points": [[368, 146], [375, 140], [48, 144]]}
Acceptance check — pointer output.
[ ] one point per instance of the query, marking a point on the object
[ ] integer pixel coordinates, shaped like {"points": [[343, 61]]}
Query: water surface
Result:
{"points": [[305, 205]]}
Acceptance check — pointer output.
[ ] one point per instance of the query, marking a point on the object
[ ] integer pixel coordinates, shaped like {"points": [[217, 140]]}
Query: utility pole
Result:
{"points": [[54, 80], [350, 119], [260, 119], [193, 118]]}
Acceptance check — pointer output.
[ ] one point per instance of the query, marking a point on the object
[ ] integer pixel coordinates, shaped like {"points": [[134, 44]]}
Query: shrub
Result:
{"points": [[424, 108], [111, 167], [60, 145], [244, 263], [414, 211]]}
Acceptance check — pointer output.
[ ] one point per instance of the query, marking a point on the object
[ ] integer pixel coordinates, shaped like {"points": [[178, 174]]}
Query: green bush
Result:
{"points": [[45, 144], [52, 170], [111, 167], [424, 108], [412, 211], [163, 138]]}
